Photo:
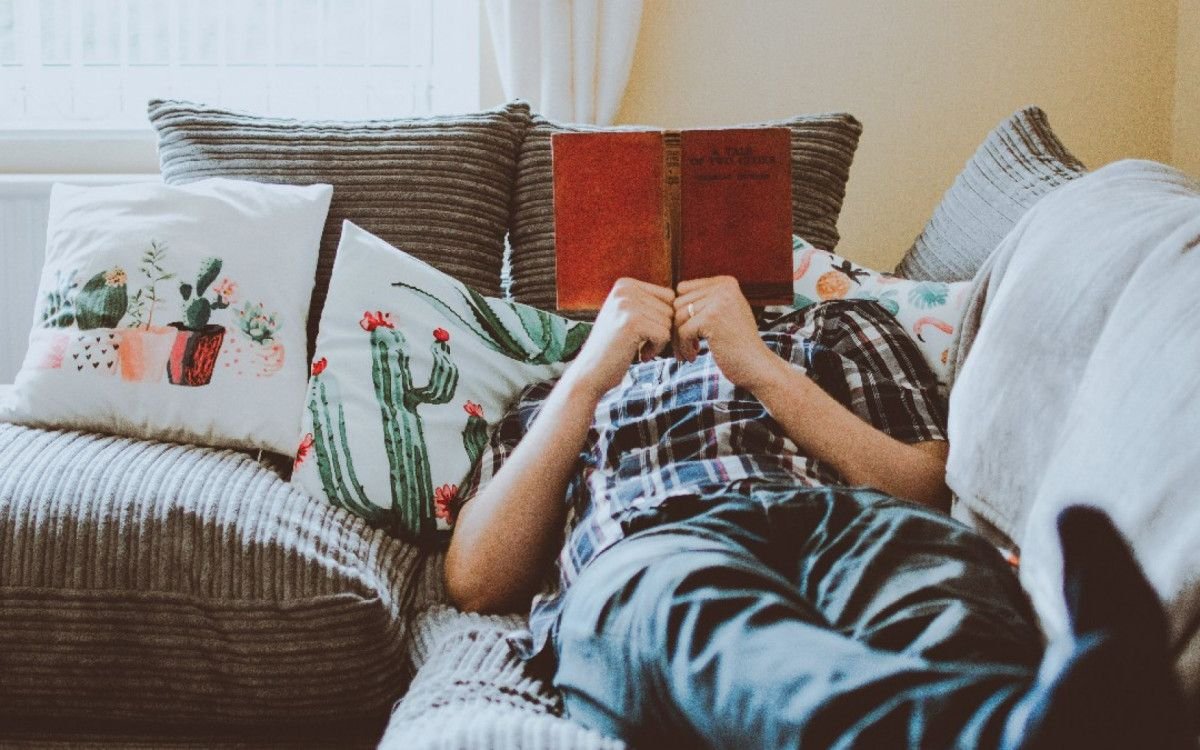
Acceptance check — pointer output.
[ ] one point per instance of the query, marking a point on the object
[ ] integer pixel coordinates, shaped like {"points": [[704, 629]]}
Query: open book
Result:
{"points": [[667, 206]]}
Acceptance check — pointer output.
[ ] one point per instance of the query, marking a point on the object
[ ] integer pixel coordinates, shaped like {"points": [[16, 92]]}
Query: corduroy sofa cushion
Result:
{"points": [[153, 581], [1018, 163], [437, 187], [823, 147]]}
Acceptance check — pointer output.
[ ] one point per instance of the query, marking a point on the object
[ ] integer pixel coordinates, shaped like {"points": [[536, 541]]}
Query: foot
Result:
{"points": [[1112, 686]]}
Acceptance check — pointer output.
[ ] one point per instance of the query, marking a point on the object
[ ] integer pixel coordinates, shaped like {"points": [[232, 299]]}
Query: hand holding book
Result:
{"points": [[714, 309], [635, 321], [639, 321]]}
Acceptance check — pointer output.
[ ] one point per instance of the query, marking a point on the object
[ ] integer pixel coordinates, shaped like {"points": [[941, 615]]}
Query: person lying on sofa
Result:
{"points": [[721, 584]]}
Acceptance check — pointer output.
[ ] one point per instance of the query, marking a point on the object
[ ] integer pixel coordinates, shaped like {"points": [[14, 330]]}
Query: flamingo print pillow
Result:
{"points": [[930, 311], [174, 313], [411, 371]]}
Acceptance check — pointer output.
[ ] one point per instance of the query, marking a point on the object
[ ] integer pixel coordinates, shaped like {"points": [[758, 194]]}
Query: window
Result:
{"points": [[93, 64]]}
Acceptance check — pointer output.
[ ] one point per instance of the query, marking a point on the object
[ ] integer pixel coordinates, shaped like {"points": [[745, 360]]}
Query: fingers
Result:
{"points": [[693, 293], [692, 285], [705, 308], [651, 317], [688, 334], [690, 321], [689, 304], [664, 293], [695, 297], [654, 334], [631, 294]]}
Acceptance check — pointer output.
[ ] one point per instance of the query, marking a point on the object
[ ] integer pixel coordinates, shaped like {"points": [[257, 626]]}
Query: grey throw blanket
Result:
{"points": [[1077, 379]]}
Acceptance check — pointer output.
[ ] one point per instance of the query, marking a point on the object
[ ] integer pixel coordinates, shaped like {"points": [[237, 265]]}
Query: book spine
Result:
{"points": [[671, 199]]}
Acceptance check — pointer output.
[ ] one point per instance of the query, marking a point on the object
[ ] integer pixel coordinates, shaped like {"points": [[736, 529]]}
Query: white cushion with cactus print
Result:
{"points": [[930, 311], [411, 370], [174, 313]]}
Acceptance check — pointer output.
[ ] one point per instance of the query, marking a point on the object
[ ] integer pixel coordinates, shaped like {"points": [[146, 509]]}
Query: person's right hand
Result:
{"points": [[635, 321]]}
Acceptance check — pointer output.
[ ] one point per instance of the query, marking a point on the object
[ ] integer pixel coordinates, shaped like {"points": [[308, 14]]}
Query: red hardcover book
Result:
{"points": [[666, 206]]}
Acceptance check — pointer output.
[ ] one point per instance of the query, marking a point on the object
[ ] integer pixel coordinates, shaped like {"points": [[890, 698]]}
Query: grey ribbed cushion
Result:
{"points": [[823, 147], [146, 580], [1019, 162], [436, 187]]}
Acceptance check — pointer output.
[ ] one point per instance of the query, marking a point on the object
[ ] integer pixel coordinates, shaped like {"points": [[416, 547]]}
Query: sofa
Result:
{"points": [[164, 594]]}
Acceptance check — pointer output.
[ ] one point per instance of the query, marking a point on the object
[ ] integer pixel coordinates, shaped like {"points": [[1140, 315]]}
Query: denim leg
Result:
{"points": [[901, 577], [683, 635]]}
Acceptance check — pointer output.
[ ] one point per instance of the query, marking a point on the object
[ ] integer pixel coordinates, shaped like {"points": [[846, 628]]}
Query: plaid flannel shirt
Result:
{"points": [[673, 428]]}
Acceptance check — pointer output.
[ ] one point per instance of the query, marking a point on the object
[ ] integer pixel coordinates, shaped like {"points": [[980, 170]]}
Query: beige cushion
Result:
{"points": [[822, 148]]}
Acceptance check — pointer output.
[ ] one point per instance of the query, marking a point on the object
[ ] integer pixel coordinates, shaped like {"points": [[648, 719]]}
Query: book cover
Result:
{"points": [[666, 206]]}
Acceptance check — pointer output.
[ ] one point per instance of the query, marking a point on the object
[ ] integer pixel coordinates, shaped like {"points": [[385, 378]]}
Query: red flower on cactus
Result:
{"points": [[474, 409], [372, 320], [443, 502], [318, 366], [302, 452], [441, 334]]}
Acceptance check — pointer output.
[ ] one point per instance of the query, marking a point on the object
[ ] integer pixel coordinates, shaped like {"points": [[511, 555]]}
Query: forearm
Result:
{"points": [[505, 536], [862, 454]]}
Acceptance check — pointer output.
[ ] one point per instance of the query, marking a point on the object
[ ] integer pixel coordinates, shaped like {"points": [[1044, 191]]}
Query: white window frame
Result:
{"points": [[107, 150]]}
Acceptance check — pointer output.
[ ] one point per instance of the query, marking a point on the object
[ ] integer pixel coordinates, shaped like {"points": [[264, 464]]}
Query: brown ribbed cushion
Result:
{"points": [[822, 149], [436, 187], [1019, 162], [153, 581]]}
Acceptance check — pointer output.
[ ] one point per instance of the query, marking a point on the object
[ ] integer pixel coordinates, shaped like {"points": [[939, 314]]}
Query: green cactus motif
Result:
{"points": [[544, 338], [197, 307], [475, 439], [475, 434], [412, 513], [258, 325], [332, 450], [103, 300], [58, 304], [403, 432]]}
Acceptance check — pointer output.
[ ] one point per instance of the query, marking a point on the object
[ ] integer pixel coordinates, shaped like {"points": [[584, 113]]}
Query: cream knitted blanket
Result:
{"points": [[472, 692], [1078, 381]]}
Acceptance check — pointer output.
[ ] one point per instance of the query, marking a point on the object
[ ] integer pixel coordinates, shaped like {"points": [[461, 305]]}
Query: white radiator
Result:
{"points": [[24, 202]]}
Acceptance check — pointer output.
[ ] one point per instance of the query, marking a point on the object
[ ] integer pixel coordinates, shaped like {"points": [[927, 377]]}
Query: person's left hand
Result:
{"points": [[715, 309]]}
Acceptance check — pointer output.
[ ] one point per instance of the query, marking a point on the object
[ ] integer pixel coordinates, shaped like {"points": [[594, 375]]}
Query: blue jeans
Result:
{"points": [[813, 618]]}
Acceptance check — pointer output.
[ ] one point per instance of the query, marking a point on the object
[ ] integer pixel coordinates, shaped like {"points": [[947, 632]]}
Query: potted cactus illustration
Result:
{"points": [[252, 348], [98, 308], [412, 513], [49, 340], [198, 341], [145, 347], [538, 338]]}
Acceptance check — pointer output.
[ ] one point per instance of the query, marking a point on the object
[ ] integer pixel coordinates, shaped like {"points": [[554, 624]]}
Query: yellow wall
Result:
{"points": [[1185, 147], [928, 79]]}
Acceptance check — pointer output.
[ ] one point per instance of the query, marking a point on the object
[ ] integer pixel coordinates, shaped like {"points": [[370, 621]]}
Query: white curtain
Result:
{"points": [[569, 59]]}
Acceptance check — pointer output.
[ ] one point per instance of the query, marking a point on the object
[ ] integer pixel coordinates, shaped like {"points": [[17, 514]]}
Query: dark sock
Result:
{"points": [[1116, 688], [1103, 584]]}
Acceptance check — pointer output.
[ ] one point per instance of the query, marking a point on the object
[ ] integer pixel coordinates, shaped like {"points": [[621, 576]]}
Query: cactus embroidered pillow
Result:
{"points": [[174, 313], [930, 311], [411, 369]]}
